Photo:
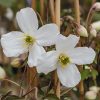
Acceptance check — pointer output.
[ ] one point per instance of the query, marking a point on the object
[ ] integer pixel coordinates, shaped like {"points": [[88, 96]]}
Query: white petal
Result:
{"points": [[27, 20], [47, 34], [35, 53], [82, 55], [13, 44], [47, 63], [67, 43], [69, 76]]}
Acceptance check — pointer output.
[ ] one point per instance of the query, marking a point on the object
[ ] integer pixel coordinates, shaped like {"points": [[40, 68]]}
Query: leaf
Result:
{"points": [[51, 97], [85, 74], [94, 73], [7, 3]]}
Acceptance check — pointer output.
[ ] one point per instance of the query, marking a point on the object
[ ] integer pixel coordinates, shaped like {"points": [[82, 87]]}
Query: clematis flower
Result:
{"points": [[31, 39], [65, 58]]}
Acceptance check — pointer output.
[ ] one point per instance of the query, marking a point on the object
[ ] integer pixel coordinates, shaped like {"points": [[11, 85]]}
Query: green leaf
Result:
{"points": [[94, 73], [7, 3], [85, 74]]}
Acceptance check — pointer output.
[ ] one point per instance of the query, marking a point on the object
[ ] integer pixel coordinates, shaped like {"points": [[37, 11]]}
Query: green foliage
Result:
{"points": [[86, 73], [94, 73], [7, 3]]}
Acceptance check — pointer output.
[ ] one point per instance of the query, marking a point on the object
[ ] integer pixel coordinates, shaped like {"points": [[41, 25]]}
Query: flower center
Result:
{"points": [[63, 60], [29, 40]]}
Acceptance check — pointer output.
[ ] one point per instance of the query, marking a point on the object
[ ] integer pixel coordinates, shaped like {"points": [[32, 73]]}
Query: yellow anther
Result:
{"points": [[29, 40], [63, 60]]}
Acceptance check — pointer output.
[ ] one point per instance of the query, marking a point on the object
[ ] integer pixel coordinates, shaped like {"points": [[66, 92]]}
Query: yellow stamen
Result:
{"points": [[29, 40], [63, 60]]}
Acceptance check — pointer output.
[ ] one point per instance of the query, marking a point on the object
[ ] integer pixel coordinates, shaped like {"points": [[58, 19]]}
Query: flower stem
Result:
{"points": [[42, 9], [34, 4], [57, 21], [31, 72], [52, 10], [77, 16], [77, 11]]}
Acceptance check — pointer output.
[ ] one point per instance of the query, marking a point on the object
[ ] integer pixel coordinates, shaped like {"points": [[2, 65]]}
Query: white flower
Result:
{"points": [[2, 73], [90, 95], [64, 59], [31, 39]]}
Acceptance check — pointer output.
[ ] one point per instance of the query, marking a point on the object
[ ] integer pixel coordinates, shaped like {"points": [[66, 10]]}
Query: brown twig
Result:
{"points": [[77, 16], [57, 21], [52, 10], [42, 9]]}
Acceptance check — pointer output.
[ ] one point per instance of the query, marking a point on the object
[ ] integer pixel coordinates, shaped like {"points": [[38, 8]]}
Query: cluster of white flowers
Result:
{"points": [[32, 39]]}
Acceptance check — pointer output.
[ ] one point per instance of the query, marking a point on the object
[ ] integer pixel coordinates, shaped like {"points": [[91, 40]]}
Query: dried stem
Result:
{"points": [[34, 4], [31, 72], [77, 16], [93, 1], [57, 21], [11, 82], [42, 9], [52, 10], [77, 11]]}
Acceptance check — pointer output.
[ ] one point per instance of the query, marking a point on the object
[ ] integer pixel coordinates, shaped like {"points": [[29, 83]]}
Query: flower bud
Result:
{"points": [[96, 25], [87, 67], [96, 6], [93, 32], [91, 95], [82, 31], [94, 88], [9, 13], [2, 73], [16, 63]]}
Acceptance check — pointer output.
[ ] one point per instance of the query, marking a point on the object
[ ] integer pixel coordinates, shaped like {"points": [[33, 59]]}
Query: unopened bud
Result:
{"points": [[2, 73], [91, 95], [93, 32], [96, 25], [94, 88], [82, 31], [87, 67], [16, 63], [96, 6], [9, 14]]}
